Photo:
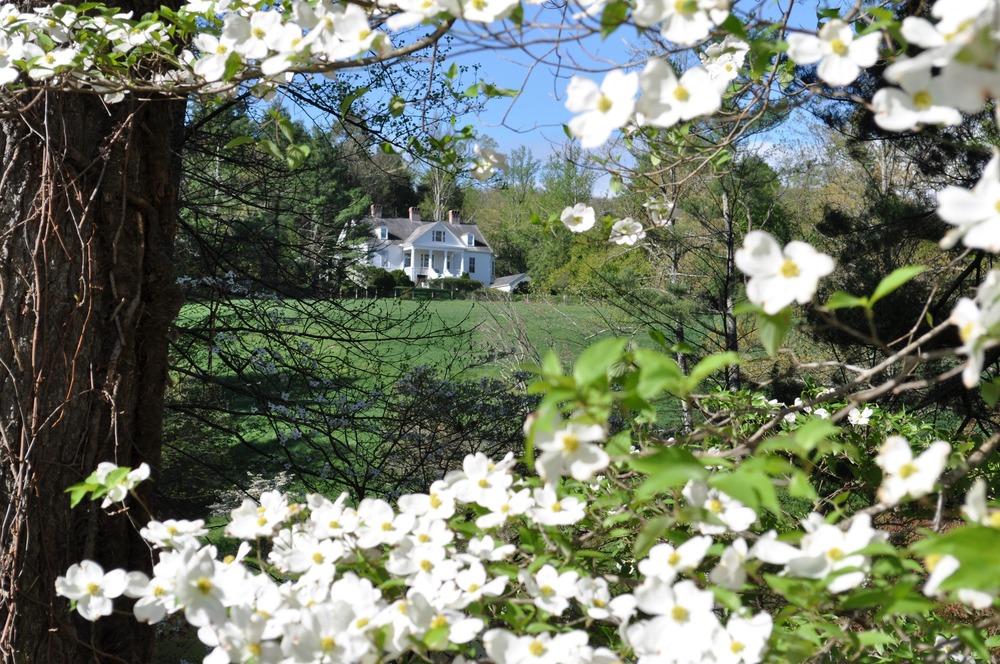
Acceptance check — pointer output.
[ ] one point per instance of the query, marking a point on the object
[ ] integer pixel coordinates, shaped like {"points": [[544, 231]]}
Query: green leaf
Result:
{"points": [[975, 548], [295, 155], [616, 185], [436, 638], [751, 484], [799, 486], [79, 491], [650, 534], [894, 281], [272, 149], [773, 328], [862, 599], [286, 127], [711, 364], [875, 638], [657, 373], [551, 367], [842, 300], [991, 392], [396, 106], [238, 141], [614, 15], [667, 468], [735, 27], [593, 363]]}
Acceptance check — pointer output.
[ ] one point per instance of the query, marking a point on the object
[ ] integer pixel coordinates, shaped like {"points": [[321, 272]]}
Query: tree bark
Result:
{"points": [[87, 298]]}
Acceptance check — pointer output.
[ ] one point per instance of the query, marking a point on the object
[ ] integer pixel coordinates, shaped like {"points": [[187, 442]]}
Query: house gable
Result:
{"points": [[435, 235], [428, 250]]}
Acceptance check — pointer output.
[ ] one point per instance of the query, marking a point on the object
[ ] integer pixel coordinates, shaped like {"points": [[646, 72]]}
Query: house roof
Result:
{"points": [[405, 231], [512, 280]]}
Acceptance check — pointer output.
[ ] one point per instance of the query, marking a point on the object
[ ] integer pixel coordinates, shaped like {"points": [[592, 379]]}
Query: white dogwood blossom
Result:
{"points": [[667, 99], [779, 276], [626, 231], [975, 212], [602, 109], [91, 589], [828, 551], [905, 476], [840, 54], [578, 218]]}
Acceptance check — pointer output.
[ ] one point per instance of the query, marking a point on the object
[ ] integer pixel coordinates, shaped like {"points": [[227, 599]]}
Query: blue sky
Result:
{"points": [[536, 117]]}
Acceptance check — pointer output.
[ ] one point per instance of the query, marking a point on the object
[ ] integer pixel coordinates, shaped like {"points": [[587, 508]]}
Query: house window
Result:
{"points": [[447, 263], [383, 233], [470, 239], [425, 260], [438, 236], [472, 264], [406, 260]]}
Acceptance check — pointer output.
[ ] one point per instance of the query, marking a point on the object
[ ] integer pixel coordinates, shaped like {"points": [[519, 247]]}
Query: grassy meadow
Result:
{"points": [[245, 400]]}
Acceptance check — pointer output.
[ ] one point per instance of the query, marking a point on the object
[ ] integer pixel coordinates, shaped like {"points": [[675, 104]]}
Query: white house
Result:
{"points": [[428, 250]]}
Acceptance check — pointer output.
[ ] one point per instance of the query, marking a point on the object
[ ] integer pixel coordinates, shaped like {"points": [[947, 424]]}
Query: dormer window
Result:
{"points": [[470, 239], [383, 233], [438, 236]]}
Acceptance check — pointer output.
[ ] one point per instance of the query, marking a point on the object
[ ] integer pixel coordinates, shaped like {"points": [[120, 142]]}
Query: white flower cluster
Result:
{"points": [[234, 40], [366, 583]]}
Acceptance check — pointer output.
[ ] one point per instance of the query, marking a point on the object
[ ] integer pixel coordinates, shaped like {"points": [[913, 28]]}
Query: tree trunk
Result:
{"points": [[728, 301], [87, 297]]}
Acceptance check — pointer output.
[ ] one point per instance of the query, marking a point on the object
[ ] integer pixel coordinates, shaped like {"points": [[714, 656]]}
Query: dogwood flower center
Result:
{"points": [[681, 94], [604, 104], [839, 47], [679, 614], [789, 269]]}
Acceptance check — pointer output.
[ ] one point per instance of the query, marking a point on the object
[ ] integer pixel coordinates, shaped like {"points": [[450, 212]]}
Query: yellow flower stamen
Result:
{"points": [[789, 269]]}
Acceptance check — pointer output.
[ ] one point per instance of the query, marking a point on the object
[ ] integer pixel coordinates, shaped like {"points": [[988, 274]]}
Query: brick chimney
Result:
{"points": [[454, 217], [376, 211], [414, 214]]}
